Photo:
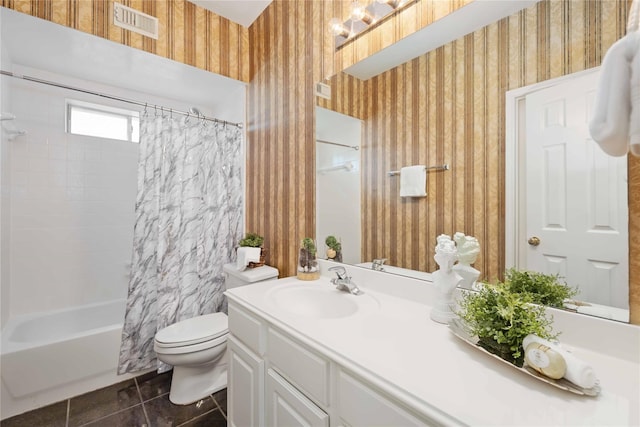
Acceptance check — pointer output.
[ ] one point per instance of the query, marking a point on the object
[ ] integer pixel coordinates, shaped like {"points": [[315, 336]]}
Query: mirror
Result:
{"points": [[338, 139], [338, 213], [398, 162]]}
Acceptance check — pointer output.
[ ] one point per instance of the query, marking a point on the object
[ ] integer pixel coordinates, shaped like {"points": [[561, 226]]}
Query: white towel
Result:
{"points": [[634, 120], [609, 125], [247, 255], [578, 371], [413, 181]]}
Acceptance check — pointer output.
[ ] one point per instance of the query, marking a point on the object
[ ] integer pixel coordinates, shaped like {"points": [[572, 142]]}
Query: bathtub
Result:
{"points": [[49, 350]]}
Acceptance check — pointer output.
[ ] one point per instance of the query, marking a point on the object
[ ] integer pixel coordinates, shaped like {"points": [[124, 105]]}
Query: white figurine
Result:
{"points": [[445, 279], [468, 250]]}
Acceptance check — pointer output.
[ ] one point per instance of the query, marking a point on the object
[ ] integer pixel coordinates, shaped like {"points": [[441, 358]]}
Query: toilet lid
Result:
{"points": [[193, 331]]}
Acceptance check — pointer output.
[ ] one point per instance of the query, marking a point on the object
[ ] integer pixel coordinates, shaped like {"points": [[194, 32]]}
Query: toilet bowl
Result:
{"points": [[197, 347]]}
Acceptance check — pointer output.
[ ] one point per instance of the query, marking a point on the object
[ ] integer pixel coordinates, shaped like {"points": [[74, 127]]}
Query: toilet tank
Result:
{"points": [[235, 277]]}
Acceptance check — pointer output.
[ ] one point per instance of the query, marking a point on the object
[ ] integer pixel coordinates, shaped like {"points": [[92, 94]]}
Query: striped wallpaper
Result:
{"points": [[188, 33]]}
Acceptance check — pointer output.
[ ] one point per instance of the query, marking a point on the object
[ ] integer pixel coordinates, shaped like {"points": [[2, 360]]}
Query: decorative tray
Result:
{"points": [[461, 331]]}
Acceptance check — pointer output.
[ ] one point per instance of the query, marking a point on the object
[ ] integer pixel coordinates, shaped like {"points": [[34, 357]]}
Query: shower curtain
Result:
{"points": [[188, 222]]}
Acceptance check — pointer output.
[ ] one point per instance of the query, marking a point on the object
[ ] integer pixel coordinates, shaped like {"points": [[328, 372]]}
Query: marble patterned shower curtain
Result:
{"points": [[188, 222]]}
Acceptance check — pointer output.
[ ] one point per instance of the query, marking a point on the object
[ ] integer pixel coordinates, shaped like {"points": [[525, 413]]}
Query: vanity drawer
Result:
{"points": [[286, 406], [305, 369], [360, 405], [247, 328]]}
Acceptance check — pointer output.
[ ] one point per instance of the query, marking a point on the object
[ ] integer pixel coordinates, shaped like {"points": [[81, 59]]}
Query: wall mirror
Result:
{"points": [[606, 285]]}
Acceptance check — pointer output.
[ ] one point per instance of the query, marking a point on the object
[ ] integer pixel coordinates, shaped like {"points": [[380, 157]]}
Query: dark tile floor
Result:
{"points": [[139, 402]]}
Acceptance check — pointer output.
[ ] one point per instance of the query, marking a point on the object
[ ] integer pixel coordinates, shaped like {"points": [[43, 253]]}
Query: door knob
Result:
{"points": [[533, 241]]}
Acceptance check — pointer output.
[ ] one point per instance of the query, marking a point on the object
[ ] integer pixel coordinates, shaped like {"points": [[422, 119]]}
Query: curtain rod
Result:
{"points": [[117, 98], [355, 147]]}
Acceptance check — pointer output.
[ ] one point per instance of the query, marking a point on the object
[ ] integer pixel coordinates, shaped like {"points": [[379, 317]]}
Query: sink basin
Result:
{"points": [[319, 301]]}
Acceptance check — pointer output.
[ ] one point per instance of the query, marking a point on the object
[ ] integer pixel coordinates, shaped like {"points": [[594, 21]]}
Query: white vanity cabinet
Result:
{"points": [[276, 380]]}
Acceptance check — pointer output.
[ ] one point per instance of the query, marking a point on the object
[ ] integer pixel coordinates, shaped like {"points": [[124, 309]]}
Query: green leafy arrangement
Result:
{"points": [[544, 289], [252, 240], [307, 255], [333, 243], [502, 319]]}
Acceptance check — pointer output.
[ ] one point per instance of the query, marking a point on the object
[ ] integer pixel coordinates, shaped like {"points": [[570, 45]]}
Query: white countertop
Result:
{"points": [[395, 345]]}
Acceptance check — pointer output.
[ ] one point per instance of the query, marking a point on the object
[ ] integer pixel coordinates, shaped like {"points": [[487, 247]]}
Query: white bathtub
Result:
{"points": [[49, 350]]}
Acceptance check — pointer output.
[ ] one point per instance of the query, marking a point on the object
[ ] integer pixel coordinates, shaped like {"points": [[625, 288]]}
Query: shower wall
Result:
{"points": [[71, 207], [5, 97]]}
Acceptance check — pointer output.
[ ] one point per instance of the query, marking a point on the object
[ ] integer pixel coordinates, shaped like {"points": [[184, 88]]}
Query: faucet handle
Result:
{"points": [[341, 272], [377, 264]]}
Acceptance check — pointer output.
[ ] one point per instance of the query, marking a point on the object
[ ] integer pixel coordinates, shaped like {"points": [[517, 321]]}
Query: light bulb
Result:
{"points": [[337, 28], [359, 13]]}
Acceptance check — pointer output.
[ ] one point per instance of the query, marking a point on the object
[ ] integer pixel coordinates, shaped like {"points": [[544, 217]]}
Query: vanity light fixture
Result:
{"points": [[363, 17]]}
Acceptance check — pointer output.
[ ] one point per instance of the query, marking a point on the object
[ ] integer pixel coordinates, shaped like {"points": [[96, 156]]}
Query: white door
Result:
{"points": [[576, 196]]}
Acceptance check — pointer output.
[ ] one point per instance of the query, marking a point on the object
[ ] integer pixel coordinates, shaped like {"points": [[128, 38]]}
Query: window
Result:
{"points": [[101, 121]]}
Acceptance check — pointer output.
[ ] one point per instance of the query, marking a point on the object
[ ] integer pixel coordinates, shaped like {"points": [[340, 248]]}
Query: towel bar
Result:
{"points": [[444, 167]]}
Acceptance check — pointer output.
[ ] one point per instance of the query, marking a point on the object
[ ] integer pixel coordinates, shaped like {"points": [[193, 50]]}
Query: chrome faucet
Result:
{"points": [[343, 281], [377, 264]]}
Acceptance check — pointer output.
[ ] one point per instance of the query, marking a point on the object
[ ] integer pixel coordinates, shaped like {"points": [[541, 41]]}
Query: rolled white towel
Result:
{"points": [[246, 255], [578, 371]]}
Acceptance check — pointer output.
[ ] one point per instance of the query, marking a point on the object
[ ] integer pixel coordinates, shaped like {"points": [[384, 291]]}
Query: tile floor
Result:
{"points": [[139, 402]]}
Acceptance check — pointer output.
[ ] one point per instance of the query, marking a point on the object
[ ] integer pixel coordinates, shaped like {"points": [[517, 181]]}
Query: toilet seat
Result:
{"points": [[199, 329], [189, 348]]}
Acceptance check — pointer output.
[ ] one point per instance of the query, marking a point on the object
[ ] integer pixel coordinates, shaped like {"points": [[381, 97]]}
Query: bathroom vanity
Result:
{"points": [[303, 353]]}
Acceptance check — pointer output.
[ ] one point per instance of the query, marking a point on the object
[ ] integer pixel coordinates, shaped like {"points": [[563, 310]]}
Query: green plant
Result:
{"points": [[307, 255], [252, 240], [309, 245], [501, 319], [544, 289], [333, 243]]}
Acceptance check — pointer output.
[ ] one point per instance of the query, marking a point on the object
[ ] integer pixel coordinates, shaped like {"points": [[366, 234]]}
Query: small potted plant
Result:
{"points": [[502, 319], [254, 240], [307, 261], [334, 248], [543, 289]]}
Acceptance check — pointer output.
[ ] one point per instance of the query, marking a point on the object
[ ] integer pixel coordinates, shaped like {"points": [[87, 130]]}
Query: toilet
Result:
{"points": [[197, 347]]}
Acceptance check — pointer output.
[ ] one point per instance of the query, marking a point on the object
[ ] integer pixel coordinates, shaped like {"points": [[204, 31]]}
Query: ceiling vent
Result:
{"points": [[134, 20]]}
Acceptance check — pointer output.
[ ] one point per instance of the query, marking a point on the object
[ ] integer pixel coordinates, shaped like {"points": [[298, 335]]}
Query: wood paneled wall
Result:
{"points": [[291, 50], [188, 33]]}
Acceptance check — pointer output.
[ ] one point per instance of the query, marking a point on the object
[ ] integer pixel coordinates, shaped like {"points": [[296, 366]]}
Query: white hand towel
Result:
{"points": [[609, 125], [578, 371], [634, 120], [413, 181], [247, 255]]}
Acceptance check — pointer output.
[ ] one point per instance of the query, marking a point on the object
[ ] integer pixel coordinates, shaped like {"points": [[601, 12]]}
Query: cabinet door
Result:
{"points": [[360, 405], [287, 407], [245, 386]]}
